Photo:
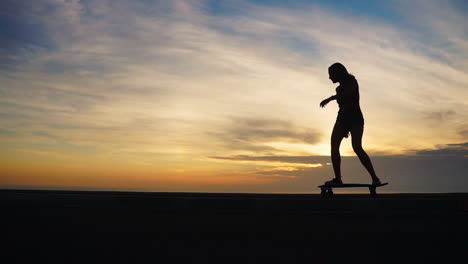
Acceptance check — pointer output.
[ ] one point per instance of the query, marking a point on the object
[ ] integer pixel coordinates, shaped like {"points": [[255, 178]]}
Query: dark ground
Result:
{"points": [[80, 227]]}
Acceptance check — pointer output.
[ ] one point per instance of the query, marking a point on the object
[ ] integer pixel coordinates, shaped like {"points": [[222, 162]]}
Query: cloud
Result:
{"points": [[460, 150], [443, 23], [254, 134], [283, 159], [463, 133], [23, 35], [441, 115], [7, 132]]}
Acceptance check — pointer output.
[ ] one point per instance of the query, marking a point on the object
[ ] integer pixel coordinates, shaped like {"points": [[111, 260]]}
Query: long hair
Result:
{"points": [[340, 70]]}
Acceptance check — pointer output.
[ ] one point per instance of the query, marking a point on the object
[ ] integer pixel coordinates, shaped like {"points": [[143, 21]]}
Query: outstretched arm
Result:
{"points": [[326, 101]]}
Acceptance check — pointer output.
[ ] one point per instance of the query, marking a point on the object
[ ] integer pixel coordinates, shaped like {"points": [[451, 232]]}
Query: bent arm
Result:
{"points": [[331, 98], [326, 101]]}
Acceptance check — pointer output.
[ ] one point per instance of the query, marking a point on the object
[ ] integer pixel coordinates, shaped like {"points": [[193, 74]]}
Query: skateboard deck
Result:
{"points": [[327, 189]]}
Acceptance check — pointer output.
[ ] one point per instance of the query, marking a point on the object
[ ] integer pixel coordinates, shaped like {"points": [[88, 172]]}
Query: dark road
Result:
{"points": [[248, 228]]}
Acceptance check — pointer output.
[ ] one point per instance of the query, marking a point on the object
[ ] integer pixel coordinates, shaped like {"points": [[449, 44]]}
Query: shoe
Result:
{"points": [[376, 182], [335, 181]]}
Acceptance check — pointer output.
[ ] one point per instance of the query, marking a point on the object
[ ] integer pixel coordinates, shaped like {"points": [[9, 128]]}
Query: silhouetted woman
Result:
{"points": [[349, 120]]}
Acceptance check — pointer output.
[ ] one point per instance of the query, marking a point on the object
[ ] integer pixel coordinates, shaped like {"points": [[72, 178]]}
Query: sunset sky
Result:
{"points": [[223, 96]]}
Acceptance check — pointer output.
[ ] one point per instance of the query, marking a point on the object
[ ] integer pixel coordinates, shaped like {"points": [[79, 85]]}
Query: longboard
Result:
{"points": [[327, 189]]}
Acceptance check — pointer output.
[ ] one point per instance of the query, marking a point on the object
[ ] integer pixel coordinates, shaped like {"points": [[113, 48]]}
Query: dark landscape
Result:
{"points": [[81, 226]]}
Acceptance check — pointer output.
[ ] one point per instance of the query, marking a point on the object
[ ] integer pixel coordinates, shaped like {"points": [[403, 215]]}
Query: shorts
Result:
{"points": [[350, 117]]}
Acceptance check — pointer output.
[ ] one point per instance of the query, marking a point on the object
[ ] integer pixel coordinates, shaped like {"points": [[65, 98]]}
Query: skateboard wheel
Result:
{"points": [[323, 193]]}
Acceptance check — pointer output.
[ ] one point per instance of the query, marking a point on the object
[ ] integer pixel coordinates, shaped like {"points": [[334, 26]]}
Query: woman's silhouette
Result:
{"points": [[349, 120]]}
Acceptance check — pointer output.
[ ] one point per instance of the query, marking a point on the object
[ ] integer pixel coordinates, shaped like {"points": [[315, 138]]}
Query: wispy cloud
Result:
{"points": [[446, 150], [258, 135], [281, 159]]}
